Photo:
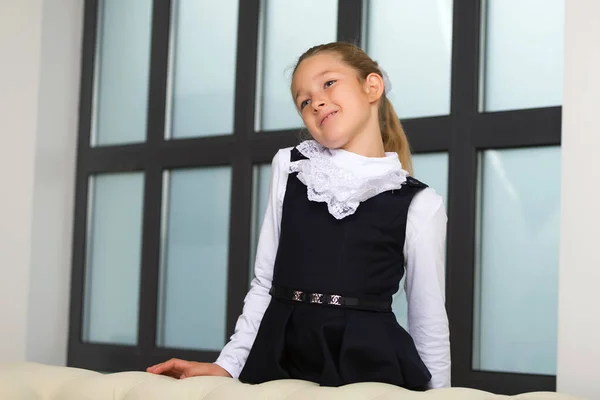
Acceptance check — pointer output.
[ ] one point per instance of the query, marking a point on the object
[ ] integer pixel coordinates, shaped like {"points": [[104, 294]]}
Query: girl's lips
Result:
{"points": [[327, 116]]}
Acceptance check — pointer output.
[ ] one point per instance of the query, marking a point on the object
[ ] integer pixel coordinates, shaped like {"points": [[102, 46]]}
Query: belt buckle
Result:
{"points": [[334, 300], [316, 298], [298, 295]]}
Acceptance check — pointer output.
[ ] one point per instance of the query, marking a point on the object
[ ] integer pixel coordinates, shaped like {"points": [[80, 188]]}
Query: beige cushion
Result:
{"points": [[30, 381]]}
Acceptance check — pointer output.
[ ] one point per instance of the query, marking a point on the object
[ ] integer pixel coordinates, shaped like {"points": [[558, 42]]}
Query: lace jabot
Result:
{"points": [[343, 179]]}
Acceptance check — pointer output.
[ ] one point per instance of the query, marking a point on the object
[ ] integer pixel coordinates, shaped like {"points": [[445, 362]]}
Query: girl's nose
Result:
{"points": [[318, 105]]}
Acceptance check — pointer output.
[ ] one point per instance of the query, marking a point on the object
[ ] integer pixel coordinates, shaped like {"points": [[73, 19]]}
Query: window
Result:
{"points": [[113, 258], [280, 47], [516, 271], [202, 83], [412, 41], [194, 254], [165, 154]]}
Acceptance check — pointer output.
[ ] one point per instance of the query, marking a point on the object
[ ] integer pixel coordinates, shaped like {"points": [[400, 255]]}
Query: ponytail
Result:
{"points": [[394, 138]]}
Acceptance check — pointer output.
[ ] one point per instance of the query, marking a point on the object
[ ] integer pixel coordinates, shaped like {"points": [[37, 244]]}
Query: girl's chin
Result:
{"points": [[332, 141]]}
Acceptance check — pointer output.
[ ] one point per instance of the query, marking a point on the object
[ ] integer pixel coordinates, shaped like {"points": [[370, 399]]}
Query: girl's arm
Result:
{"points": [[234, 354], [425, 263]]}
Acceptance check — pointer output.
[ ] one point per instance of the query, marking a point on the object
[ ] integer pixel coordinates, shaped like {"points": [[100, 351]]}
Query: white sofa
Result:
{"points": [[30, 381]]}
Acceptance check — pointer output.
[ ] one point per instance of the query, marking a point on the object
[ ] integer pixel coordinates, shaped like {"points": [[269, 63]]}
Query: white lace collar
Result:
{"points": [[343, 179]]}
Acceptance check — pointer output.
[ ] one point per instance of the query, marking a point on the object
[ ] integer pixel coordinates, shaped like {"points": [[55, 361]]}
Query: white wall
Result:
{"points": [[19, 78], [579, 276], [39, 75]]}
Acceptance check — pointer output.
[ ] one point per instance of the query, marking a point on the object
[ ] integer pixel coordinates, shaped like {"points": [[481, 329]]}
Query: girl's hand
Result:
{"points": [[181, 369]]}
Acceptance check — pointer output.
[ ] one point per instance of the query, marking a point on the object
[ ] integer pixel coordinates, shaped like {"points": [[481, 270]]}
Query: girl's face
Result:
{"points": [[335, 105]]}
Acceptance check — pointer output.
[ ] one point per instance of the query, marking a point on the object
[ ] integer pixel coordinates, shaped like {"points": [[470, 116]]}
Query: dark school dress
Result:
{"points": [[330, 320]]}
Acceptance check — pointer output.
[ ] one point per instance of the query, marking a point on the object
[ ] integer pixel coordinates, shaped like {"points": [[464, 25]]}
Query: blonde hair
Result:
{"points": [[394, 138]]}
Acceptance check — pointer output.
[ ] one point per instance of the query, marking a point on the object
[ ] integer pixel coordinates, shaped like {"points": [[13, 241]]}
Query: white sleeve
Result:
{"points": [[425, 263], [234, 355]]}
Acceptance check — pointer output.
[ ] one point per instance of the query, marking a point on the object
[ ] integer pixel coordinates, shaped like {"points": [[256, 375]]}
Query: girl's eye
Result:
{"points": [[329, 83], [304, 104]]}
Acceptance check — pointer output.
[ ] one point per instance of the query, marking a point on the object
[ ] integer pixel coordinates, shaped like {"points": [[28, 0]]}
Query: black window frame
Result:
{"points": [[462, 134]]}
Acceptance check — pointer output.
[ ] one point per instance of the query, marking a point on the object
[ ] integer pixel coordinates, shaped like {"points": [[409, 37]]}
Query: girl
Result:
{"points": [[344, 222]]}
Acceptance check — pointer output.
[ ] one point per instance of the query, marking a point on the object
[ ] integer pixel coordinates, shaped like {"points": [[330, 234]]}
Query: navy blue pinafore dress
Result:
{"points": [[330, 319]]}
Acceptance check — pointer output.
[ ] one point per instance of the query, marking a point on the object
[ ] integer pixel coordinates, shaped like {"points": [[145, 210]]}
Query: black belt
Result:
{"points": [[335, 300]]}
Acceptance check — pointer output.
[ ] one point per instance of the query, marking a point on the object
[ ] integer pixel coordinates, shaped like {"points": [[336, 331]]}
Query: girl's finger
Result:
{"points": [[152, 367], [165, 366], [159, 368], [197, 370]]}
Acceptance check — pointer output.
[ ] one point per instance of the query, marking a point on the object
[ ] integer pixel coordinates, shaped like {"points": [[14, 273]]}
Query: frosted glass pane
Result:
{"points": [[203, 65], [260, 198], [113, 258], [517, 261], [122, 70], [193, 284], [412, 41], [432, 169], [286, 35], [523, 54]]}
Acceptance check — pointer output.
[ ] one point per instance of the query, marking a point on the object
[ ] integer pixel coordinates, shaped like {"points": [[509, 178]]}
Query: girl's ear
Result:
{"points": [[374, 86]]}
